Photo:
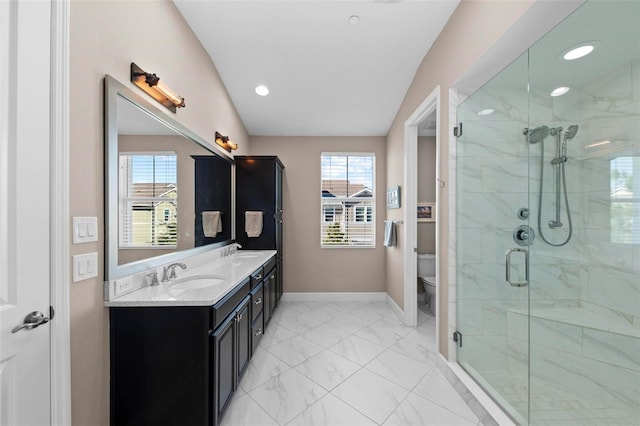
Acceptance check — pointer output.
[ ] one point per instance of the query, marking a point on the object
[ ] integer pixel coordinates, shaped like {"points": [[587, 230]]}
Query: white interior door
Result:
{"points": [[24, 211]]}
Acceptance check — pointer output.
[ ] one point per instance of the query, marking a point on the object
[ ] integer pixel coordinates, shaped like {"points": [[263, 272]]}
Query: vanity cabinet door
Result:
{"points": [[268, 300], [243, 323], [225, 358]]}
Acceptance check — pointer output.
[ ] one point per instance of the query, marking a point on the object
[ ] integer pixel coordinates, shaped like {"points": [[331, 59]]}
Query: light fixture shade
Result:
{"points": [[225, 143], [158, 90]]}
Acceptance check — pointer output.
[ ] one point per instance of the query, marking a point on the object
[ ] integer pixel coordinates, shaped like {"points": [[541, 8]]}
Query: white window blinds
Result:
{"points": [[148, 200], [347, 200]]}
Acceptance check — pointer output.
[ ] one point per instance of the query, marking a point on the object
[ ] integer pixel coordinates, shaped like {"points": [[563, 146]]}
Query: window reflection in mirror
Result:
{"points": [[148, 200], [625, 200]]}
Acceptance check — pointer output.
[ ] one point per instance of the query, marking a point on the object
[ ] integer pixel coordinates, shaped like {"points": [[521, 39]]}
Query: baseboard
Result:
{"points": [[395, 308], [334, 297], [485, 408]]}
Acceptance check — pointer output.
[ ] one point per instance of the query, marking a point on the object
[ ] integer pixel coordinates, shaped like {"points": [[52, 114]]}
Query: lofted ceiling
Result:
{"points": [[326, 76]]}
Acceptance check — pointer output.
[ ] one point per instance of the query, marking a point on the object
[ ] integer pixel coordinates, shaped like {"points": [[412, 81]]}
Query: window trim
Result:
{"points": [[372, 200]]}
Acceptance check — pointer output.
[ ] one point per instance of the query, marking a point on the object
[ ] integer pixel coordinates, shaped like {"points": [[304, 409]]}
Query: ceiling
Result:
{"points": [[327, 77]]}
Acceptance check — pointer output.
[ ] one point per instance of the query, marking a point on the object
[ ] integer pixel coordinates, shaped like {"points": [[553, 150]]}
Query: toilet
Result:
{"points": [[427, 276]]}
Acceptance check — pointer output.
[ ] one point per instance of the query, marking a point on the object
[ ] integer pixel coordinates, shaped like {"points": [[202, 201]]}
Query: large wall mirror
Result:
{"points": [[168, 193]]}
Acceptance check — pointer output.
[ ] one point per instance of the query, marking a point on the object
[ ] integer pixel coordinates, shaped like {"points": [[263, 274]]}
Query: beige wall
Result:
{"points": [[474, 27], [307, 267], [105, 38], [426, 191]]}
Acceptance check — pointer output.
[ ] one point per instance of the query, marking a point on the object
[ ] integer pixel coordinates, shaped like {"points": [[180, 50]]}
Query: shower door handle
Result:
{"points": [[526, 267]]}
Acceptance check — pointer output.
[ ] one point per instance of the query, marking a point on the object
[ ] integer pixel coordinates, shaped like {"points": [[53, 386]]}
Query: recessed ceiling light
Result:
{"points": [[262, 90], [559, 91], [354, 19], [486, 111], [578, 52]]}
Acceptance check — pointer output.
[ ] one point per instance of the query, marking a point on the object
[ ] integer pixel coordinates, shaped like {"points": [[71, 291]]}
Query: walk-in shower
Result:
{"points": [[559, 343], [538, 135]]}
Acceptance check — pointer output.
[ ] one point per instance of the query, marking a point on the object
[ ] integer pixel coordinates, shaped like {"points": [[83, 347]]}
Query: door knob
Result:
{"points": [[31, 321]]}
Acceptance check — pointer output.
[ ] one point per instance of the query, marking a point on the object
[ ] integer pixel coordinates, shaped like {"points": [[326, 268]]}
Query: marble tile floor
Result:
{"points": [[346, 364]]}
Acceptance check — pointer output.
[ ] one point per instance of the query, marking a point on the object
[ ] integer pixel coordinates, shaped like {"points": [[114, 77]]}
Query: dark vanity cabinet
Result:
{"points": [[180, 365], [259, 188], [231, 354]]}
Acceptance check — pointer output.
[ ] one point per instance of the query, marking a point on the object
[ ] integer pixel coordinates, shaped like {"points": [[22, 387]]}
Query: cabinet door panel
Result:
{"points": [[243, 325], [268, 291], [224, 341]]}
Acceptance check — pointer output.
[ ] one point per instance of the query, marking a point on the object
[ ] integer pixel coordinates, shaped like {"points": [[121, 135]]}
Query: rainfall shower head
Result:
{"points": [[536, 135], [571, 132]]}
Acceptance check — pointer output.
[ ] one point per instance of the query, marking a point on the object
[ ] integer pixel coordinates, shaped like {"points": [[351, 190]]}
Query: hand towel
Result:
{"points": [[253, 224], [211, 223], [389, 233]]}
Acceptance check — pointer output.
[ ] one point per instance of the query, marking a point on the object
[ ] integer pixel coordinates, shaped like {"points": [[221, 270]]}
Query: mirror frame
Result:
{"points": [[113, 89]]}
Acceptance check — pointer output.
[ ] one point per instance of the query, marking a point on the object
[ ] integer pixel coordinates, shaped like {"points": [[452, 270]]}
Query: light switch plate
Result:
{"points": [[85, 266], [85, 229]]}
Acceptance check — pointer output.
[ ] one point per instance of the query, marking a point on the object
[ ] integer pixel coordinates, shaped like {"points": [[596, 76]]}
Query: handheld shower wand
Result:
{"points": [[538, 135]]}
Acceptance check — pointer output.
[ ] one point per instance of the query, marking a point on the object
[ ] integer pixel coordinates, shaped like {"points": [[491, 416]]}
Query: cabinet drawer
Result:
{"points": [[228, 304], [271, 263], [257, 330], [257, 301], [256, 277]]}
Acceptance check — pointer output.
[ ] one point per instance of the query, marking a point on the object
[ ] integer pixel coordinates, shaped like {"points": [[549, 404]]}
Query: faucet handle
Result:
{"points": [[154, 278]]}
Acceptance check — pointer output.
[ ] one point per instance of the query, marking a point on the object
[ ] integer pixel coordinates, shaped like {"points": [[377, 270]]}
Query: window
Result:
{"points": [[363, 213], [347, 199], [624, 173], [148, 203], [331, 213]]}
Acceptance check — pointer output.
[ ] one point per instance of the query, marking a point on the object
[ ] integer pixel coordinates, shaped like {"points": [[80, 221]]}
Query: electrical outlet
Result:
{"points": [[124, 285]]}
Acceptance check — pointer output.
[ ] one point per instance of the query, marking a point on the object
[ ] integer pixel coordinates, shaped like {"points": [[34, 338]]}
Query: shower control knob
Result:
{"points": [[523, 213], [523, 235]]}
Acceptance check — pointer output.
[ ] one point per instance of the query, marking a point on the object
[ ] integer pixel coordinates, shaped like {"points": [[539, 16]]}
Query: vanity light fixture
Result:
{"points": [[224, 142], [155, 88]]}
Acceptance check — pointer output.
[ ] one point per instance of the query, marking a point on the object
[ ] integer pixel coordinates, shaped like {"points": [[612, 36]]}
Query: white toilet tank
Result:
{"points": [[426, 265]]}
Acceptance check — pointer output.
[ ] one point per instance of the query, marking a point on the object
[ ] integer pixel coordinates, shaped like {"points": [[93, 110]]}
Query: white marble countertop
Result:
{"points": [[217, 278]]}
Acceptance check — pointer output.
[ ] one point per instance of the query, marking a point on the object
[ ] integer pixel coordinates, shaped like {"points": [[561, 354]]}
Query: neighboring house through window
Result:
{"points": [[148, 201], [347, 199]]}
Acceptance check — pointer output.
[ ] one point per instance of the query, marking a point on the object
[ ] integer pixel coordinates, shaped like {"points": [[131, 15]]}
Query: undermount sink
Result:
{"points": [[197, 282]]}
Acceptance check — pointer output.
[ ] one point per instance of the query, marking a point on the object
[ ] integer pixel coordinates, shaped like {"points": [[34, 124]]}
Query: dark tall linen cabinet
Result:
{"points": [[259, 188]]}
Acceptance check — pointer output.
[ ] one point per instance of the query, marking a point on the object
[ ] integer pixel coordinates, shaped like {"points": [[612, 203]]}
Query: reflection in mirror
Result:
{"points": [[168, 192], [625, 203]]}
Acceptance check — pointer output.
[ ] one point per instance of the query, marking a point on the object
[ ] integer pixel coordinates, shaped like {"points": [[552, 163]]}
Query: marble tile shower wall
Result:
{"points": [[497, 173], [597, 360], [491, 185]]}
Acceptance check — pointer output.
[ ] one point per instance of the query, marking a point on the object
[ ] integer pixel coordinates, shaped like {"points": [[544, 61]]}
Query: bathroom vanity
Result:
{"points": [[177, 355], [179, 348]]}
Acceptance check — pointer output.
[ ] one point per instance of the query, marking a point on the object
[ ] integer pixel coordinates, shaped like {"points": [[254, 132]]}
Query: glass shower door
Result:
{"points": [[492, 212], [585, 273]]}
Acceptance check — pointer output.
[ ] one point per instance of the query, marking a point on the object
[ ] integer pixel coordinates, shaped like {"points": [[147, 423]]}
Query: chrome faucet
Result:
{"points": [[170, 271], [235, 247]]}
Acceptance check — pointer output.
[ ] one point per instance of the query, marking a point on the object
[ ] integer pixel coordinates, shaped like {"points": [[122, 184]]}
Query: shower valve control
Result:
{"points": [[523, 235]]}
